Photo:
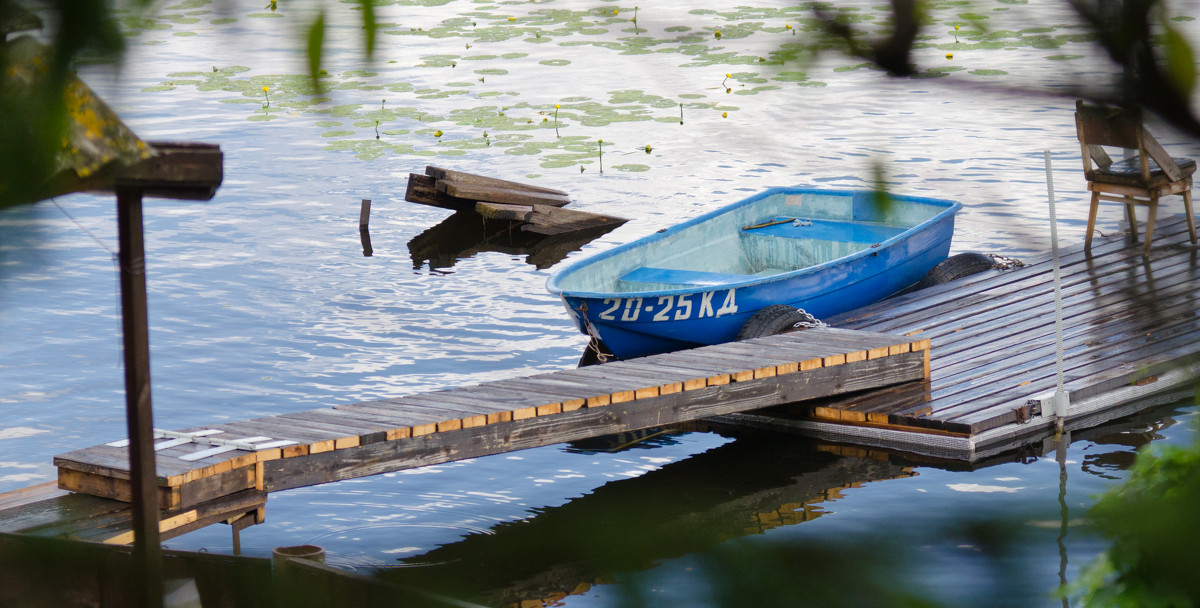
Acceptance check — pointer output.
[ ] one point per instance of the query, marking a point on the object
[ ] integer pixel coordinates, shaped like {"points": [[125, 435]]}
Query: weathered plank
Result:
{"points": [[493, 194], [547, 220], [587, 422], [422, 189], [481, 180]]}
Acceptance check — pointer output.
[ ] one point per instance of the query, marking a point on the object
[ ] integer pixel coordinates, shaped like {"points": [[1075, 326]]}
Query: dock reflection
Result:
{"points": [[465, 234], [761, 481], [749, 486]]}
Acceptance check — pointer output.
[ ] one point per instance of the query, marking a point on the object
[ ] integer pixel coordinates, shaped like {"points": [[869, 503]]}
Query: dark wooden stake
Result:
{"points": [[364, 214], [139, 417], [364, 233]]}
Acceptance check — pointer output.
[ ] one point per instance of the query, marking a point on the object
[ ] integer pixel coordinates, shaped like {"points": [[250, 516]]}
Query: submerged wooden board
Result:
{"points": [[324, 445]]}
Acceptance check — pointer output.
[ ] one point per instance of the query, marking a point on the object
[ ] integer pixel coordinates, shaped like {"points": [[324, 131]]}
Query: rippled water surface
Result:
{"points": [[262, 303]]}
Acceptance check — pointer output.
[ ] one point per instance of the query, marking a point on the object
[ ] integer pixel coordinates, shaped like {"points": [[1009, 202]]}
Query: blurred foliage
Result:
{"points": [[38, 90], [1151, 520], [1156, 62]]}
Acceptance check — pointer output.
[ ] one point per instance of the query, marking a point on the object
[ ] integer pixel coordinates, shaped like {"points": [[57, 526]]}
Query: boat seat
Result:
{"points": [[671, 276], [824, 230]]}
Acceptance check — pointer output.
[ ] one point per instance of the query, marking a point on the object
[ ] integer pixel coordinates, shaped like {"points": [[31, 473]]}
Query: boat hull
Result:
{"points": [[641, 322]]}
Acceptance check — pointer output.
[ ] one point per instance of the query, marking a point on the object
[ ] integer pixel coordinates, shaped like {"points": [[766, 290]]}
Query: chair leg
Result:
{"points": [[1131, 217], [1187, 208], [1087, 239], [1150, 225]]}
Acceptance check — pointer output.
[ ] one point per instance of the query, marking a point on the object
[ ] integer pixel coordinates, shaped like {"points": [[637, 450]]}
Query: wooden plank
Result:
{"points": [[115, 529], [113, 462], [1079, 289], [23, 496], [592, 375], [783, 353], [472, 406], [448, 399], [422, 190], [632, 382], [191, 171], [493, 194], [1017, 321], [1090, 325], [504, 211], [481, 180], [906, 313], [423, 421], [1036, 382], [916, 305], [43, 514], [169, 498], [1107, 334], [574, 387], [551, 221], [1128, 355], [317, 440], [367, 430], [587, 422], [451, 416]]}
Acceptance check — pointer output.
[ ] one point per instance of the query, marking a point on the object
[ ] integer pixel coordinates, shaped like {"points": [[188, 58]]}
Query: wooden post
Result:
{"points": [[364, 214], [147, 550], [364, 233]]}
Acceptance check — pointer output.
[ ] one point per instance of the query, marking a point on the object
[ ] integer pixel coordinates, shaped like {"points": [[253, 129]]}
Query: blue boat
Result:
{"points": [[700, 282]]}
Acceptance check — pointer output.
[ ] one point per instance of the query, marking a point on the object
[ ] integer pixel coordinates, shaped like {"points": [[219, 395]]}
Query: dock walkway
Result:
{"points": [[222, 472], [1130, 329]]}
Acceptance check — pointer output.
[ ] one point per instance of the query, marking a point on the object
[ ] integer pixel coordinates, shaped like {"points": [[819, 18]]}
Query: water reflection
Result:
{"points": [[763, 482], [759, 482], [465, 234]]}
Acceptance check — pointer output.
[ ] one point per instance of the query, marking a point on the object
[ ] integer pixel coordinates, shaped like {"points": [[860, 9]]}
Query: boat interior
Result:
{"points": [[777, 232]]}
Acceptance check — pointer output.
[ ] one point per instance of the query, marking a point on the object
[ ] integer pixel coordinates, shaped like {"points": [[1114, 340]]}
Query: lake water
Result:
{"points": [[262, 303]]}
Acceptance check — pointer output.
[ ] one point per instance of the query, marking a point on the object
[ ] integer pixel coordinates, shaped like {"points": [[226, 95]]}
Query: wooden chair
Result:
{"points": [[1140, 180]]}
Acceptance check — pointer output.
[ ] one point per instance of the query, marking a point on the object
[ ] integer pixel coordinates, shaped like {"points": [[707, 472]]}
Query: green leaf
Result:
{"points": [[316, 43], [368, 11], [1180, 62]]}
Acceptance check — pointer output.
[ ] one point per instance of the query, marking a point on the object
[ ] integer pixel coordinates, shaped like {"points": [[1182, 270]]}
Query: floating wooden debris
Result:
{"points": [[533, 208], [547, 220]]}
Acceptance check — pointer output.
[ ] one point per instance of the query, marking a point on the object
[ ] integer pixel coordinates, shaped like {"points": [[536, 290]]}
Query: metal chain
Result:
{"points": [[808, 324], [1003, 262]]}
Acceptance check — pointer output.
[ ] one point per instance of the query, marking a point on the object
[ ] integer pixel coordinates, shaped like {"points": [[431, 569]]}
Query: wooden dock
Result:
{"points": [[1130, 329], [223, 472], [967, 369]]}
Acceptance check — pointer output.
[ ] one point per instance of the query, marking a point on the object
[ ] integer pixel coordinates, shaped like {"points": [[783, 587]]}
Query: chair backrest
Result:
{"points": [[1098, 126]]}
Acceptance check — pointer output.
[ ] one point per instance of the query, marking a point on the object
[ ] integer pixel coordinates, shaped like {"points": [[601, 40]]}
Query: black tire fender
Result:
{"points": [[956, 267], [772, 320]]}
